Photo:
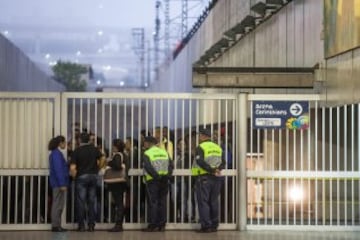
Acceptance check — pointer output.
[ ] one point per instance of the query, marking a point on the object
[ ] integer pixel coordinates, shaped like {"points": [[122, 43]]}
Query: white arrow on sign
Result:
{"points": [[296, 109]]}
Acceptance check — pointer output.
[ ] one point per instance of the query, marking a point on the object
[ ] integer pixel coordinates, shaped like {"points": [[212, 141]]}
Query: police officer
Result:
{"points": [[206, 169], [157, 170]]}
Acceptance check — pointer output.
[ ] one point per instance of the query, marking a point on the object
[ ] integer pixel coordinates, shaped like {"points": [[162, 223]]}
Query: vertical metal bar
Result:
{"points": [[280, 180], [226, 149], [47, 200], [8, 199], [265, 181], [352, 163], [234, 164], [139, 156], [88, 117], [154, 117], [242, 141], [301, 179], [323, 169], [345, 163], [294, 169], [110, 125], [259, 204], [197, 122], [190, 191], [287, 179], [251, 166], [316, 149], [96, 118], [103, 125], [38, 200], [73, 123], [81, 115], [125, 117], [272, 180], [330, 159], [16, 203], [117, 118], [175, 159], [132, 161], [24, 199], [110, 208], [147, 116], [309, 166], [31, 198], [131, 121], [338, 164]]}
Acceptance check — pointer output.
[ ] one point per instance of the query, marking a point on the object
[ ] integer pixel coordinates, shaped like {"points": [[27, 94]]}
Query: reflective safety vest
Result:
{"points": [[159, 159], [212, 156]]}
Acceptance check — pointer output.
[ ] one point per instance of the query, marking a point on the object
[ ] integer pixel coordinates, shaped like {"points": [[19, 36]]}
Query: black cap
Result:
{"points": [[150, 139], [205, 131]]}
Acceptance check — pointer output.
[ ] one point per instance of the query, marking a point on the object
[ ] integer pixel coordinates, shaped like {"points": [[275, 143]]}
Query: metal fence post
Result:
{"points": [[241, 140]]}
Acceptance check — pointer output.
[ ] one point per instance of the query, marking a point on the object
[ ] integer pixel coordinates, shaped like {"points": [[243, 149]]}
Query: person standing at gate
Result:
{"points": [[59, 181], [157, 170], [84, 167], [119, 162], [207, 166]]}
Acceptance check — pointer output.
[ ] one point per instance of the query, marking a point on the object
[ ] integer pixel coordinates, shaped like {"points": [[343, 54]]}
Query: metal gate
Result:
{"points": [[27, 122], [274, 178], [176, 118], [305, 179]]}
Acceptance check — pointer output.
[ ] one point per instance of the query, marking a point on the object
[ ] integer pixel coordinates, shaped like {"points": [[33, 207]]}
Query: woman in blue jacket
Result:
{"points": [[59, 181]]}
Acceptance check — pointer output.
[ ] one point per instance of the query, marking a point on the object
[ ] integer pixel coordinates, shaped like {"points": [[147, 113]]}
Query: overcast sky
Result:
{"points": [[105, 13], [85, 30]]}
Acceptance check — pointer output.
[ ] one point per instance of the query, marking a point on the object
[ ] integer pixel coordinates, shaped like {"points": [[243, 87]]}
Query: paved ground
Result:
{"points": [[179, 235]]}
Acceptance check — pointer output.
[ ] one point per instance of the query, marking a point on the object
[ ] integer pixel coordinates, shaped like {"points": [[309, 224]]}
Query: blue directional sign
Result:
{"points": [[281, 114]]}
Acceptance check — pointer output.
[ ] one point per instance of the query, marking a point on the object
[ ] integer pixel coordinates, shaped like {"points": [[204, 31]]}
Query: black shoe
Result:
{"points": [[91, 228], [213, 229], [116, 228], [81, 229], [58, 229], [204, 230]]}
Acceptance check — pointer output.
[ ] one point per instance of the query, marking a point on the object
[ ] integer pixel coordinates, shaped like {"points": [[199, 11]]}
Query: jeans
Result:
{"points": [[85, 188]]}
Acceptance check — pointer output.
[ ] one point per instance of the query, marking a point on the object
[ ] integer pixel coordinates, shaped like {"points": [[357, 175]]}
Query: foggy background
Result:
{"points": [[94, 32]]}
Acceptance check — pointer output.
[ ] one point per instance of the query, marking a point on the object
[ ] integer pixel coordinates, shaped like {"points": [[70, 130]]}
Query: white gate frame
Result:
{"points": [[241, 126], [26, 171], [318, 174]]}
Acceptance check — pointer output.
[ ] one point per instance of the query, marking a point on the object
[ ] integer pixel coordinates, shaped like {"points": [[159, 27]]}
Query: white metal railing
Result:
{"points": [[322, 162], [113, 115], [309, 178]]}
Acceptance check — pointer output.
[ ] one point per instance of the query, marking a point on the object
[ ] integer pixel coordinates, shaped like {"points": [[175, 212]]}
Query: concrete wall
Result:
{"points": [[342, 77], [291, 38], [19, 73]]}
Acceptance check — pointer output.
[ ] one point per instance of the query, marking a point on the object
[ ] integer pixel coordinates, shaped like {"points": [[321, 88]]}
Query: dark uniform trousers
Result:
{"points": [[157, 191], [207, 189]]}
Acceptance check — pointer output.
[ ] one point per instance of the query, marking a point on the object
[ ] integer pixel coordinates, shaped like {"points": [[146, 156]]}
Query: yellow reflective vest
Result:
{"points": [[212, 156], [159, 159]]}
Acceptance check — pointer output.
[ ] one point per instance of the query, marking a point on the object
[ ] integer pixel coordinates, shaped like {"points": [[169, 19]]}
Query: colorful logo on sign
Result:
{"points": [[299, 123]]}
